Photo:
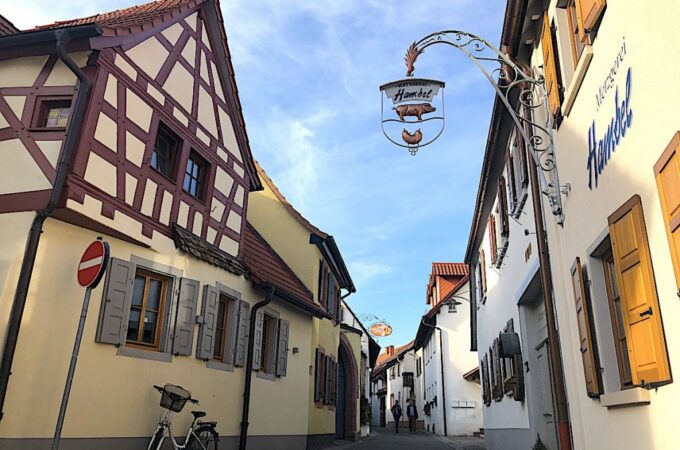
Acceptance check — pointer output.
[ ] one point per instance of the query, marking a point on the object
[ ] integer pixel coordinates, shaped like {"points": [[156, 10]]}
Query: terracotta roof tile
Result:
{"points": [[133, 16], [383, 358], [452, 269], [266, 266]]}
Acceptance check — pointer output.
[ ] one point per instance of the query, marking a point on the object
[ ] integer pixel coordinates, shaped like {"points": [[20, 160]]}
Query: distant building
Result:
{"points": [[446, 371]]}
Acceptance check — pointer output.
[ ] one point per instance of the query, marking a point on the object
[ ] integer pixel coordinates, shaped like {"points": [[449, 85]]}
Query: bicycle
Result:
{"points": [[200, 436]]}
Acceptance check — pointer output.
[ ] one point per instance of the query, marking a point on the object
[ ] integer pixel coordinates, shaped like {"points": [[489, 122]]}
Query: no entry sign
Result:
{"points": [[93, 264]]}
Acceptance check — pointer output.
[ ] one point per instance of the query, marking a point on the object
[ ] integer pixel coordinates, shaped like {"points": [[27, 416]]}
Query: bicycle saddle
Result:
{"points": [[198, 414]]}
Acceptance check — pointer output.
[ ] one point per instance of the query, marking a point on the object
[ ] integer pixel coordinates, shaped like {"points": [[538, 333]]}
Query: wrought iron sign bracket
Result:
{"points": [[510, 82]]}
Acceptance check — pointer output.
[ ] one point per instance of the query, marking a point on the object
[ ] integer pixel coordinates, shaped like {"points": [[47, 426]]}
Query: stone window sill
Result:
{"points": [[627, 397], [576, 80], [265, 376], [218, 365], [144, 354]]}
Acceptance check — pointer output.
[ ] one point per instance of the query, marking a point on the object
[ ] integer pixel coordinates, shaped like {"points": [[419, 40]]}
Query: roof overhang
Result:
{"points": [[41, 42], [331, 253]]}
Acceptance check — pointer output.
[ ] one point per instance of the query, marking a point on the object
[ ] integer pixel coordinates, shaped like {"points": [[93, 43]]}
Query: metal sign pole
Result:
{"points": [[71, 370]]}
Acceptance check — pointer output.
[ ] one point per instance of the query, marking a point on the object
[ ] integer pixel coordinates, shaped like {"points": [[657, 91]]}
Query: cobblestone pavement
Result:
{"points": [[383, 439]]}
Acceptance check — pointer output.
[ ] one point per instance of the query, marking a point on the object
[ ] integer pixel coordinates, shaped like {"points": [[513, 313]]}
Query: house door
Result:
{"points": [[340, 405], [538, 380], [382, 411]]}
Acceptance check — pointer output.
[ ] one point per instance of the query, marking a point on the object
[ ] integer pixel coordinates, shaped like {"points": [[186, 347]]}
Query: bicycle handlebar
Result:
{"points": [[161, 389]]}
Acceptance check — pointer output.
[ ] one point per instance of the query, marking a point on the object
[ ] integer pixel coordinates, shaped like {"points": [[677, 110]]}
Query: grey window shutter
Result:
{"points": [[115, 310], [242, 334], [185, 317], [327, 387], [206, 335], [257, 348], [282, 360], [330, 296]]}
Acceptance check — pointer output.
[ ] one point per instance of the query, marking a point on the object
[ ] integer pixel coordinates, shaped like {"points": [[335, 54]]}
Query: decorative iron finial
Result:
{"points": [[410, 59]]}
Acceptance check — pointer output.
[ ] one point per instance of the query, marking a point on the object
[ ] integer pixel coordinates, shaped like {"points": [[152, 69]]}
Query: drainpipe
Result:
{"points": [[441, 367], [62, 38], [556, 365], [249, 367]]}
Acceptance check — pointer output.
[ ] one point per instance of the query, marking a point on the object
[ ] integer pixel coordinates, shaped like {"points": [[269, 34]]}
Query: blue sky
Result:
{"points": [[308, 74]]}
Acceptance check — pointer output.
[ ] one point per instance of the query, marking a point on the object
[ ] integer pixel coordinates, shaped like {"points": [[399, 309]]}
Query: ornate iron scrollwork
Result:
{"points": [[509, 80]]}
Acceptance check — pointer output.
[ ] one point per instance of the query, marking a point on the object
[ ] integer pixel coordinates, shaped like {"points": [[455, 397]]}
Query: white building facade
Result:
{"points": [[446, 369], [595, 308]]}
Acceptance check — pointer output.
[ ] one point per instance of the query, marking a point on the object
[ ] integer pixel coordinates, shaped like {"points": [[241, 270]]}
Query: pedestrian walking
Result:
{"points": [[412, 414], [396, 414]]}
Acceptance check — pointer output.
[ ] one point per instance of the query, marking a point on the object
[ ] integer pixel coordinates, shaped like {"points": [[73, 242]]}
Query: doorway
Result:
{"points": [[538, 380], [340, 409], [382, 411], [347, 392]]}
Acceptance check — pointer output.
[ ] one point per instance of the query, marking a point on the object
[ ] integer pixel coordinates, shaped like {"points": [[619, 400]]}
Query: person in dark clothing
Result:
{"points": [[396, 413], [412, 414]]}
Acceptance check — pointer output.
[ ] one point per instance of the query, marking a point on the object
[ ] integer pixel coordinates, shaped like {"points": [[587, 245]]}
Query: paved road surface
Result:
{"points": [[383, 439]]}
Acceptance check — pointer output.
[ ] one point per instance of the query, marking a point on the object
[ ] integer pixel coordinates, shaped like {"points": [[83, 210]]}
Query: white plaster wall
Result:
{"points": [[458, 360], [654, 101]]}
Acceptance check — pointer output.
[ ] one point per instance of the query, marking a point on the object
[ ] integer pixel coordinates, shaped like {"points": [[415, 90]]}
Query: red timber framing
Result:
{"points": [[19, 127], [192, 33]]}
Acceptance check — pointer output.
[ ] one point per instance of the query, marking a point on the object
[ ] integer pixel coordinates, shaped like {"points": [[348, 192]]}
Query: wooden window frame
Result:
{"points": [[160, 318], [41, 109], [203, 175], [221, 346], [503, 208], [620, 342], [493, 243], [270, 332], [162, 130], [671, 151], [591, 19]]}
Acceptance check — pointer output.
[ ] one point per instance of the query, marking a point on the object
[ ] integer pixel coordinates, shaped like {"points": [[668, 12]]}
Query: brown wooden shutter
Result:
{"points": [[486, 385], [317, 376], [503, 207], [492, 239], [585, 331], [667, 171], [647, 351], [588, 12], [512, 185], [482, 262], [552, 86]]}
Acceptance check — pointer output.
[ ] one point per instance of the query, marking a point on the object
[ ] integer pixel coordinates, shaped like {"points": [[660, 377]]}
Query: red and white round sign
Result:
{"points": [[93, 264]]}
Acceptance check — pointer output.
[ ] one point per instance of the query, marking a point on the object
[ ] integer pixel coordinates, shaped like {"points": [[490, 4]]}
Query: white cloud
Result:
{"points": [[363, 271]]}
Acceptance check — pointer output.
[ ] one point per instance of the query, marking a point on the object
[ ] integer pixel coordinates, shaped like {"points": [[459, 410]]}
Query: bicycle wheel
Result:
{"points": [[156, 440], [205, 439]]}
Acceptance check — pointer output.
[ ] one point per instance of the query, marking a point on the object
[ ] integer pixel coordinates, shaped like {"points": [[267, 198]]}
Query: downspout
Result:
{"points": [[249, 367], [556, 365], [62, 37], [441, 367]]}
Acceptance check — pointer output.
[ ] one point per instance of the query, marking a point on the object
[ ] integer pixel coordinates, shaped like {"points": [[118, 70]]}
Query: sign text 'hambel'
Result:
{"points": [[412, 90]]}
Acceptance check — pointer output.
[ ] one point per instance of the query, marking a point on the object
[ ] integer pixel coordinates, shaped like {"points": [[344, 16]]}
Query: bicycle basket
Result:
{"points": [[174, 397]]}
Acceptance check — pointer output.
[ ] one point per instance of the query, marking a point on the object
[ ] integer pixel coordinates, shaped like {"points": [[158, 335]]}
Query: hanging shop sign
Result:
{"points": [[380, 329]]}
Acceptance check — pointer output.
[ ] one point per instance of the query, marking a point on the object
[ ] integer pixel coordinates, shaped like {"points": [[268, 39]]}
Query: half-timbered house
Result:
{"points": [[127, 126]]}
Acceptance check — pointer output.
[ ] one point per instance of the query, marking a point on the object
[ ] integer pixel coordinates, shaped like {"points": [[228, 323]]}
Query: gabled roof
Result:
{"points": [[454, 269], [325, 241], [153, 14], [385, 360], [425, 328], [132, 19], [267, 268], [7, 27]]}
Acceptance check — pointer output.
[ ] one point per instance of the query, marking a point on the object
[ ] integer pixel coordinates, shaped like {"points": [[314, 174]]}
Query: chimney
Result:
{"points": [[390, 350]]}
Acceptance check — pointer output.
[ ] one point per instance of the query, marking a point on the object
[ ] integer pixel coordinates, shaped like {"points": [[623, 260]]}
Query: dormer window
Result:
{"points": [[165, 151], [52, 112], [195, 175]]}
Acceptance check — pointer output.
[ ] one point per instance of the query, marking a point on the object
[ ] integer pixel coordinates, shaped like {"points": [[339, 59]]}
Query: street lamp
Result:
{"points": [[414, 97]]}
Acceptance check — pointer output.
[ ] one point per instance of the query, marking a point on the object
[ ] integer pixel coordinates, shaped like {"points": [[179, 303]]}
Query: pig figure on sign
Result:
{"points": [[414, 110]]}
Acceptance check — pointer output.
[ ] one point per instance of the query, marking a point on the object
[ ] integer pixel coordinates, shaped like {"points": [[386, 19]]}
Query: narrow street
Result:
{"points": [[383, 439]]}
